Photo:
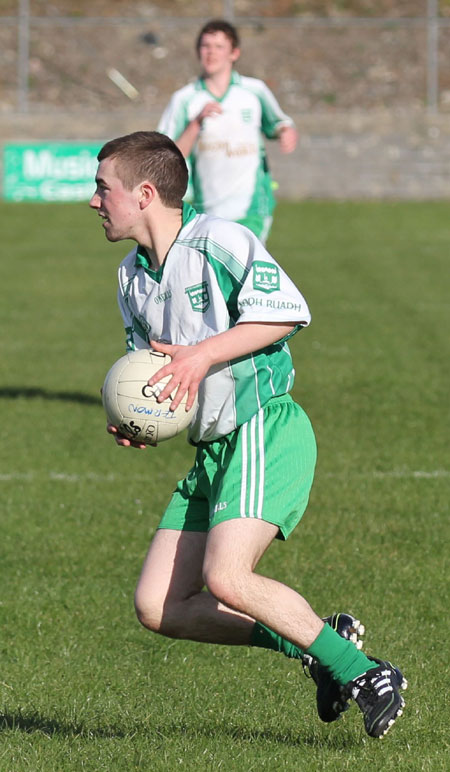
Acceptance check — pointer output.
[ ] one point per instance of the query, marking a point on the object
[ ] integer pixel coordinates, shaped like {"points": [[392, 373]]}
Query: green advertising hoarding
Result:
{"points": [[49, 171]]}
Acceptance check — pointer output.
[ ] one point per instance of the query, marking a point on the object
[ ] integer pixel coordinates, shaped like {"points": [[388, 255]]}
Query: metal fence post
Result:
{"points": [[432, 21], [228, 10], [432, 55], [23, 53]]}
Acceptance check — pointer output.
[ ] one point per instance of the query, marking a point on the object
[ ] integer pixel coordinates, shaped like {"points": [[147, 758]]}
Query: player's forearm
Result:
{"points": [[243, 339], [188, 138]]}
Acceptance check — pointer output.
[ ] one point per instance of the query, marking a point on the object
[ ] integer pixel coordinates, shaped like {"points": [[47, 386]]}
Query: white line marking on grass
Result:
{"points": [[58, 477], [15, 476], [111, 477], [397, 473], [418, 473]]}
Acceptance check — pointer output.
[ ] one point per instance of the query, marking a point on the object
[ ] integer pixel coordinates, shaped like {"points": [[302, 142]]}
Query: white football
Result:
{"points": [[131, 404]]}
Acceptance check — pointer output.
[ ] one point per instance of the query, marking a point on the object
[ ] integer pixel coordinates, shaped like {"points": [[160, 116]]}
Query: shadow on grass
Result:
{"points": [[344, 741], [31, 392], [33, 722]]}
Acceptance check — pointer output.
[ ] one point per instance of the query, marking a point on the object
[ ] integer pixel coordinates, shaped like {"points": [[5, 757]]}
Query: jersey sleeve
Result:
{"points": [[254, 286], [268, 294], [272, 116], [175, 116], [173, 122]]}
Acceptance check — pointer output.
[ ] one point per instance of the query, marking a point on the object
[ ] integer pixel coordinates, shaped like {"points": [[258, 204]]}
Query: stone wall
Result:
{"points": [[376, 154], [370, 155]]}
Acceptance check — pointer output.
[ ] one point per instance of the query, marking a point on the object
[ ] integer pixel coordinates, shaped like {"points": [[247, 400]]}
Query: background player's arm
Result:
{"points": [[190, 364], [274, 122], [287, 137], [189, 136]]}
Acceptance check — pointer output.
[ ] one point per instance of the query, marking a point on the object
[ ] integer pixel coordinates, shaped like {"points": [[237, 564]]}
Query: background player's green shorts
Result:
{"points": [[264, 469]]}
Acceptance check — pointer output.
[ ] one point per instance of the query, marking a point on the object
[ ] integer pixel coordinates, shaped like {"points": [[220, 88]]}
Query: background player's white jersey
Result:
{"points": [[216, 274], [229, 175]]}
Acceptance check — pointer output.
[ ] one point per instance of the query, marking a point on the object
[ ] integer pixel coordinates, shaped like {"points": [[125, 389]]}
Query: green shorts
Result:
{"points": [[264, 469]]}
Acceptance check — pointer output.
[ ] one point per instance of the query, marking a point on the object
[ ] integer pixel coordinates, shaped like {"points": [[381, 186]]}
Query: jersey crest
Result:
{"points": [[266, 276], [198, 295]]}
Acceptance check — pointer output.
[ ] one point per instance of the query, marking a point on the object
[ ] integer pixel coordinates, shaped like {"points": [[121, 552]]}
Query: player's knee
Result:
{"points": [[158, 615], [149, 611], [226, 587]]}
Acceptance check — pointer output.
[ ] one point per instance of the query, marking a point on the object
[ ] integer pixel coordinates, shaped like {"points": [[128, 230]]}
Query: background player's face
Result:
{"points": [[117, 206], [216, 53]]}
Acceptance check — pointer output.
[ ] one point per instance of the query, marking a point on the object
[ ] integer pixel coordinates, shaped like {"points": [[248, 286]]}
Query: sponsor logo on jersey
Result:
{"points": [[246, 114], [163, 296], [198, 295], [266, 303], [230, 150], [266, 276]]}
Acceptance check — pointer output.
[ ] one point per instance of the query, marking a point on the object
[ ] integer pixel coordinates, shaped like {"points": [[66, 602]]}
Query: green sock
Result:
{"points": [[265, 638], [339, 656]]}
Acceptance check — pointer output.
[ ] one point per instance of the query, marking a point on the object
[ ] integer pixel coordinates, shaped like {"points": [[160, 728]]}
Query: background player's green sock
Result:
{"points": [[265, 638], [339, 656]]}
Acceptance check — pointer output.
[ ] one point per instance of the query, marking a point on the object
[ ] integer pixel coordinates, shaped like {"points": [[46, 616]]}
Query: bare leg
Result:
{"points": [[232, 552], [169, 597]]}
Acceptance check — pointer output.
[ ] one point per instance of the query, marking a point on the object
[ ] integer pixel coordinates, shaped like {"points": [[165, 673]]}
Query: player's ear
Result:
{"points": [[146, 194], [235, 54]]}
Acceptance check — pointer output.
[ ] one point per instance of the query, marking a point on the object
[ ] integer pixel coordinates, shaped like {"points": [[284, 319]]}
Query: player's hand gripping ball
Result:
{"points": [[131, 404]]}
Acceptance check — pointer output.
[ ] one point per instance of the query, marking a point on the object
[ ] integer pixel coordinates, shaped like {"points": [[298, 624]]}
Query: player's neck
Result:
{"points": [[160, 234], [218, 83]]}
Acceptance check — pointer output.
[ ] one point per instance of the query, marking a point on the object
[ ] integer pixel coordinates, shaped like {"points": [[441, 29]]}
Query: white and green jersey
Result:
{"points": [[229, 175], [216, 274]]}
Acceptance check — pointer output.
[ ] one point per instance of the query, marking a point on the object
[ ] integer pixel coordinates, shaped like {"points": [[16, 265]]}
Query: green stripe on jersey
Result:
{"points": [[216, 98], [247, 398], [263, 200], [229, 272], [259, 377], [211, 249], [182, 119], [196, 183]]}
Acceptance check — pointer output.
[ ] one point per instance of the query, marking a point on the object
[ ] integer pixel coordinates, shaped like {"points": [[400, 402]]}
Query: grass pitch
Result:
{"points": [[82, 686]]}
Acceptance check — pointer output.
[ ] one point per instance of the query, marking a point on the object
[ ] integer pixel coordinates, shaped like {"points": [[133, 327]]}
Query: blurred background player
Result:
{"points": [[218, 122]]}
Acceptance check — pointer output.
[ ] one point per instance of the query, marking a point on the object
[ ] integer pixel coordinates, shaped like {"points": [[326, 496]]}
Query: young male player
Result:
{"points": [[218, 122], [206, 292]]}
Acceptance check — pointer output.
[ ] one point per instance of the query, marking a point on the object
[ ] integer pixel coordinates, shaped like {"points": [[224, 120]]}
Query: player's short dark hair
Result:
{"points": [[149, 155], [219, 25]]}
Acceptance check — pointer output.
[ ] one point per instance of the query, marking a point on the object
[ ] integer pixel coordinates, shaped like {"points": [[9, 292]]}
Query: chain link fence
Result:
{"points": [[106, 57]]}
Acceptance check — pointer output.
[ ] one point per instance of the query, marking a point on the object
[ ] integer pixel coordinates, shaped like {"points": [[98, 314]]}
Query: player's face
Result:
{"points": [[117, 206], [216, 53]]}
